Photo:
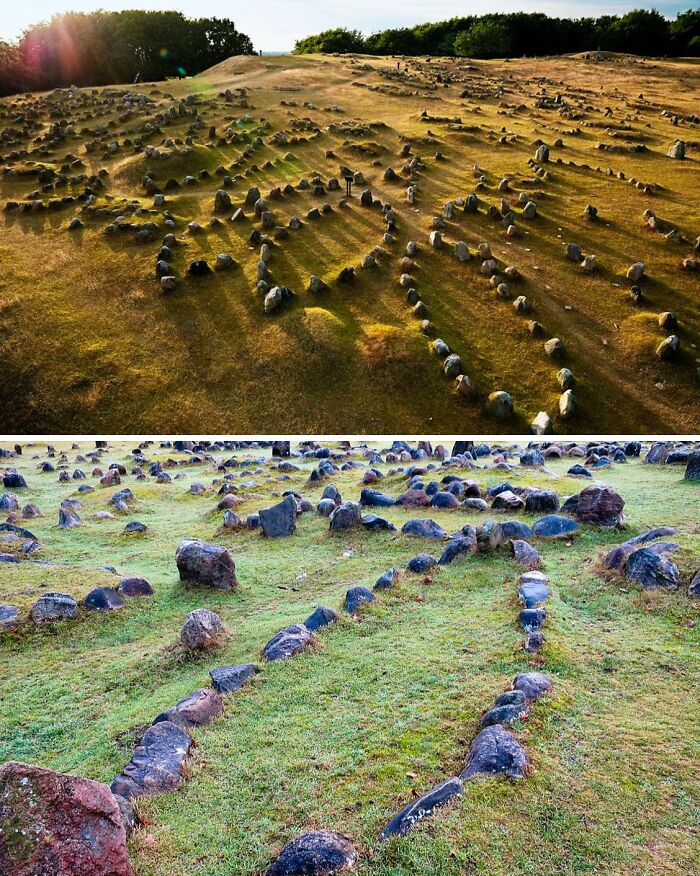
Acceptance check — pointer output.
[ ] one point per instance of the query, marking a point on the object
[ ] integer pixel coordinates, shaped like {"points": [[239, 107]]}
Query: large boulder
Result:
{"points": [[533, 684], [356, 597], [13, 480], [280, 520], [414, 499], [495, 750], [554, 526], [53, 824], [651, 570], [461, 546], [9, 618], [208, 564], [157, 764], [692, 470], [418, 809], [202, 630], [289, 641], [600, 505], [373, 498], [54, 606], [103, 599], [230, 678], [320, 617], [526, 556], [346, 516], [540, 501], [319, 853], [423, 527], [195, 710], [533, 589], [616, 558]]}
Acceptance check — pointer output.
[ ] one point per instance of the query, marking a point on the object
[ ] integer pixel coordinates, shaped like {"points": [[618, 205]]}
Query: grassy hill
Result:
{"points": [[342, 736], [89, 342]]}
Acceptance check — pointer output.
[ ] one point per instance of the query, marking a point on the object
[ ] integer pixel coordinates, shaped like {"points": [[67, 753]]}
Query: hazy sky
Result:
{"points": [[274, 25]]}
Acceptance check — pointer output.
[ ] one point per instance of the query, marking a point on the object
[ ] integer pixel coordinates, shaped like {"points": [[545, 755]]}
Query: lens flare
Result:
{"points": [[165, 54]]}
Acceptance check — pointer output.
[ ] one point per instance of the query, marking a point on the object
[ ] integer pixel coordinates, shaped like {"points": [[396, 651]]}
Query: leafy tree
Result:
{"points": [[640, 32], [99, 48], [340, 39], [685, 33], [484, 39]]}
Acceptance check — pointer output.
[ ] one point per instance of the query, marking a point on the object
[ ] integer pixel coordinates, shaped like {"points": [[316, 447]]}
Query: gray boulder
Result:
{"points": [[319, 853], [288, 642], [54, 606], [157, 764], [416, 811], [207, 564], [495, 751], [423, 527], [202, 630], [228, 679], [356, 597], [280, 520]]}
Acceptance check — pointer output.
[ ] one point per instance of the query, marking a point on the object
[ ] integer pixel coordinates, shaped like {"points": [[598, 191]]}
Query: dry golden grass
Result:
{"points": [[88, 342]]}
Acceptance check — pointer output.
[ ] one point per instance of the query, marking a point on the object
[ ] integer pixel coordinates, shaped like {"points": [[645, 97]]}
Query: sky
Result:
{"points": [[274, 25]]}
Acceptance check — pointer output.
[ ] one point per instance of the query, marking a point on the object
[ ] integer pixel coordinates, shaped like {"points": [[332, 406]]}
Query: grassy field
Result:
{"points": [[89, 342], [343, 737]]}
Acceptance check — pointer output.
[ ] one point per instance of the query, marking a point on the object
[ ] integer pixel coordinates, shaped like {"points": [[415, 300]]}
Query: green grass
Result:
{"points": [[88, 340], [328, 739]]}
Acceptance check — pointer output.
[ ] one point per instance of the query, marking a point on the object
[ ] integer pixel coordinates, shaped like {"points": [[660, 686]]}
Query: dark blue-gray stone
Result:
{"points": [[423, 527], [289, 641], [421, 563], [156, 766], [228, 679], [103, 599], [416, 811], [495, 751], [457, 547], [531, 619], [355, 597], [373, 498], [651, 570], [532, 684], [377, 524], [507, 713], [386, 580], [510, 698], [533, 589], [579, 471], [554, 526], [319, 853], [516, 529], [320, 617], [444, 500]]}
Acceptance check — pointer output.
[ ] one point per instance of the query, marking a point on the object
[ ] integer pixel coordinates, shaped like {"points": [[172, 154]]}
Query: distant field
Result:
{"points": [[342, 737], [89, 342]]}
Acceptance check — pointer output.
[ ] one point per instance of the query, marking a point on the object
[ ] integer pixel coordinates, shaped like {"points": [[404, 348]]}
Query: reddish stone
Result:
{"points": [[414, 499], [111, 479], [600, 505], [51, 823]]}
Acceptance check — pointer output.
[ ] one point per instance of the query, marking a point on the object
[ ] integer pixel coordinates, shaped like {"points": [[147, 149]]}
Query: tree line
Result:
{"points": [[517, 34], [101, 48]]}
